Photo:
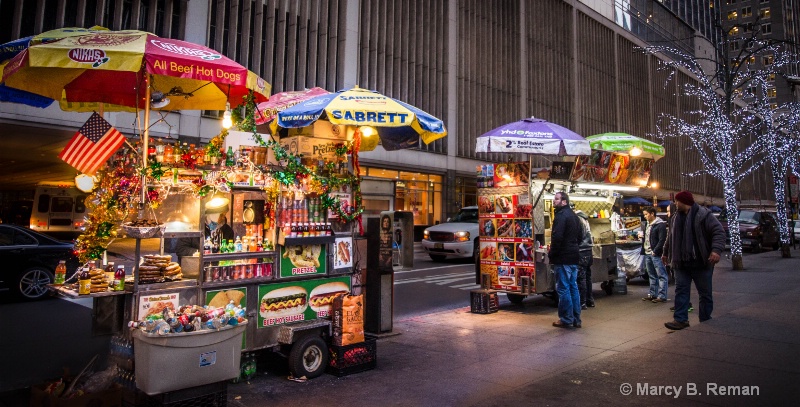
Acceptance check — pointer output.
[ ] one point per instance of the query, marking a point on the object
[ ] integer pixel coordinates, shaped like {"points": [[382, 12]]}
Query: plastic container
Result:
{"points": [[179, 361], [620, 285], [354, 358]]}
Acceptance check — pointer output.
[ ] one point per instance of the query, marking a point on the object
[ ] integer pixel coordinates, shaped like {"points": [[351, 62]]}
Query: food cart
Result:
{"points": [[593, 182]]}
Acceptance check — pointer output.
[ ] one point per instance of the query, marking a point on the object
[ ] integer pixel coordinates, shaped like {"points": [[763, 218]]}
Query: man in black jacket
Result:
{"points": [[564, 256], [693, 247], [655, 235]]}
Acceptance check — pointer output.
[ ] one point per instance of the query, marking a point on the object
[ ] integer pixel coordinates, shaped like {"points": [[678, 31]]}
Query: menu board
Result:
{"points": [[506, 229]]}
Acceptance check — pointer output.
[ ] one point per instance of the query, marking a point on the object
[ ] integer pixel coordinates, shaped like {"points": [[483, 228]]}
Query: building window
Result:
{"points": [[768, 60], [730, 1], [747, 12], [771, 77], [733, 15], [734, 31], [751, 59], [766, 28], [763, 1], [764, 13], [773, 106], [772, 92], [734, 45]]}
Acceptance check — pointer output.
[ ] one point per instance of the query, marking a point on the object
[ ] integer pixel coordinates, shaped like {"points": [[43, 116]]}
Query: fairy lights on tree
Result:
{"points": [[720, 130], [775, 129]]}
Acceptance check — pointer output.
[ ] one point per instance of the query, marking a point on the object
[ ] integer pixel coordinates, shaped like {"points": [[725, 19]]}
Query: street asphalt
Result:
{"points": [[747, 354]]}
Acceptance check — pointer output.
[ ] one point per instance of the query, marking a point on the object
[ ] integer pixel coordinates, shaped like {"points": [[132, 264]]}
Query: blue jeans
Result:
{"points": [[569, 300], [702, 281], [657, 274]]}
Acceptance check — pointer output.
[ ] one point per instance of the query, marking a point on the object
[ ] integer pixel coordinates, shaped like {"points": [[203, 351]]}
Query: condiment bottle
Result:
{"points": [[61, 272], [110, 272], [168, 157], [84, 282], [119, 278]]}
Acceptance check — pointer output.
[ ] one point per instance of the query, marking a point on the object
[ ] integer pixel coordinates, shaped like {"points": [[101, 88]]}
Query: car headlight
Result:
{"points": [[426, 235], [462, 236]]}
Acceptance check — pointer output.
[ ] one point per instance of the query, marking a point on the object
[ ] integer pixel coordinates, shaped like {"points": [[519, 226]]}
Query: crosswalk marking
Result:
{"points": [[433, 279]]}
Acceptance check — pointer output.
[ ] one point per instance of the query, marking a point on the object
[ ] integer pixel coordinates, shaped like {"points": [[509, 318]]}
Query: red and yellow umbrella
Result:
{"points": [[116, 67]]}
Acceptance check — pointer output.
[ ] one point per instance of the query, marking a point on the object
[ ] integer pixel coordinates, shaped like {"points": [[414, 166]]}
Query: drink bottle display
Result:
{"points": [[230, 160], [109, 270], [119, 278], [61, 272], [84, 282]]}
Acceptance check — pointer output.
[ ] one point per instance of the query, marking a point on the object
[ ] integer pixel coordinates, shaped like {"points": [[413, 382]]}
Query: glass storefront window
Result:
{"points": [[415, 192]]}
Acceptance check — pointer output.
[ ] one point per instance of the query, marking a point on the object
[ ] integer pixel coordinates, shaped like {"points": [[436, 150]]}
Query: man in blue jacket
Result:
{"points": [[564, 256], [655, 235], [693, 247]]}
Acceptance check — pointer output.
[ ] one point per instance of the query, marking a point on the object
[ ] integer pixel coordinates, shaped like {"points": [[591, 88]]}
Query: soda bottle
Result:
{"points": [[223, 246], [238, 248], [231, 246], [207, 246], [119, 278], [230, 161], [215, 247], [110, 273], [177, 153], [84, 282], [168, 157], [61, 272]]}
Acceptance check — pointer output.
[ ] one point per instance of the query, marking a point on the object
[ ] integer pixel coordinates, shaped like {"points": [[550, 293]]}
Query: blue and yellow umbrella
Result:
{"points": [[399, 125]]}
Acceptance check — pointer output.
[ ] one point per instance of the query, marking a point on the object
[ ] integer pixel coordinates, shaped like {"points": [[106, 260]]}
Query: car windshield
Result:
{"points": [[469, 215], [748, 217]]}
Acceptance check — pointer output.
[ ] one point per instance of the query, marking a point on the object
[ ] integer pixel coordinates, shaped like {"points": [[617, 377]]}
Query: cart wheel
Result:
{"points": [[515, 299], [607, 286], [309, 357]]}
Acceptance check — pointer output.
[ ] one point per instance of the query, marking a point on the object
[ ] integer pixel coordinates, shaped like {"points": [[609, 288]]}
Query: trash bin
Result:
{"points": [[177, 361]]}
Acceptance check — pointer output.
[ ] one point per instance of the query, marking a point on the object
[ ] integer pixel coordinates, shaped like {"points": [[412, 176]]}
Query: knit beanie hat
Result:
{"points": [[685, 197]]}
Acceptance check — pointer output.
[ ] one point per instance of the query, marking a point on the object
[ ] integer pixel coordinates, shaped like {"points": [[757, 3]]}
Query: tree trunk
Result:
{"points": [[732, 209], [779, 172]]}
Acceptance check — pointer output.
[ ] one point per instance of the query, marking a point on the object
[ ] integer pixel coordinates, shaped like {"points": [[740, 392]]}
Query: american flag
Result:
{"points": [[91, 146]]}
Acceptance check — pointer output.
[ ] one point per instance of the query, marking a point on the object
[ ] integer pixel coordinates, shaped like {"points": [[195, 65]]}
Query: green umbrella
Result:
{"points": [[623, 142]]}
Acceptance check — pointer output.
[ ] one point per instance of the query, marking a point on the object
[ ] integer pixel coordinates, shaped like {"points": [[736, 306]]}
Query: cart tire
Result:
{"points": [[309, 357], [608, 287], [515, 299], [438, 257]]}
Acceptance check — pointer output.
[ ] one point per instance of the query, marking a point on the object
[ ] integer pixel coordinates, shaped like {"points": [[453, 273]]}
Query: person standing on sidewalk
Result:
{"points": [[564, 255], [585, 263], [654, 237], [693, 247]]}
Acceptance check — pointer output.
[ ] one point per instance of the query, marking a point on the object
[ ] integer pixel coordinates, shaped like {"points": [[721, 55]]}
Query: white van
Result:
{"points": [[58, 207]]}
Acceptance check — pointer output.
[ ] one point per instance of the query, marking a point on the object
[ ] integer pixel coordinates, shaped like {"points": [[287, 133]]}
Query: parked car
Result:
{"points": [[796, 230], [458, 237], [758, 229], [29, 261]]}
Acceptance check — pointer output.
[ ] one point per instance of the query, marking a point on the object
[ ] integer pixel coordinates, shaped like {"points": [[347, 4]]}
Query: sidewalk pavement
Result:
{"points": [[516, 357]]}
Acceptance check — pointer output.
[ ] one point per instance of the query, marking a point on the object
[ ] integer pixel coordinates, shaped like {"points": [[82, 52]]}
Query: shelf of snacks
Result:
{"points": [[237, 256], [71, 291]]}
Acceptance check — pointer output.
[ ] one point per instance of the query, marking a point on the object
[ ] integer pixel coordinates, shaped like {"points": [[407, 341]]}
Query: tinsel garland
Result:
{"points": [[107, 206]]}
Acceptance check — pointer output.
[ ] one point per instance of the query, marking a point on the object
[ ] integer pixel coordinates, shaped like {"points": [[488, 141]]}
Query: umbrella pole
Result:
{"points": [[538, 197], [145, 141]]}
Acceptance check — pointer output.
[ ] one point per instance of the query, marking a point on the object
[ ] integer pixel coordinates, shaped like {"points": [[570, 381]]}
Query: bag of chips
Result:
{"points": [[348, 319]]}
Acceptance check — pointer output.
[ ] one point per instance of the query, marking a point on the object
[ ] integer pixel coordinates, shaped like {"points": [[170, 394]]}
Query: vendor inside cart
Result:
{"points": [[216, 229]]}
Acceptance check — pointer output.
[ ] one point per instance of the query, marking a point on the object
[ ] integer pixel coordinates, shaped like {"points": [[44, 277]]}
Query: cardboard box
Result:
{"points": [[106, 398]]}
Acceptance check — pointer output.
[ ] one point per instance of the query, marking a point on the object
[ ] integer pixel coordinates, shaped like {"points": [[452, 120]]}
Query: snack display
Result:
{"points": [[99, 284], [159, 268], [189, 318], [142, 228]]}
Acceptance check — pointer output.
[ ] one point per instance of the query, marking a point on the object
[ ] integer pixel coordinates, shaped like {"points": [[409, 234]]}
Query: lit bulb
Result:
{"points": [[636, 151], [226, 117], [226, 120], [367, 131]]}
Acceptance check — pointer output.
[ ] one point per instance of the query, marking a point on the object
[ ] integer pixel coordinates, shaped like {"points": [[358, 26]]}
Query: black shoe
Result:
{"points": [[676, 325], [576, 325], [583, 306], [590, 304], [648, 298]]}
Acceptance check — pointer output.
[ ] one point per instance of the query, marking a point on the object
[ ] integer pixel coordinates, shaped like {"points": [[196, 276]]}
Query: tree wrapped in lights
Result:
{"points": [[719, 129], [775, 129]]}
